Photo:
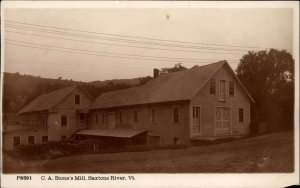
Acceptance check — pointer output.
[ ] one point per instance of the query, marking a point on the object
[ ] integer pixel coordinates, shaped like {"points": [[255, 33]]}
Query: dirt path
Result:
{"points": [[268, 153]]}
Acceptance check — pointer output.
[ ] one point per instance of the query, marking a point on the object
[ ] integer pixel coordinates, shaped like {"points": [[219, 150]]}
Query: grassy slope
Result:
{"points": [[268, 153]]}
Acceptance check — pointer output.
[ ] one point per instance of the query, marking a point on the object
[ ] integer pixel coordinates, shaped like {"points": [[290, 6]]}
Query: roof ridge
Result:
{"points": [[40, 97], [133, 87], [57, 90], [193, 68]]}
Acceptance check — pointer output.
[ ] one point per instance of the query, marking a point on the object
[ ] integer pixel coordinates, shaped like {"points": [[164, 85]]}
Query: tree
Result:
{"points": [[269, 77], [144, 80], [177, 67]]}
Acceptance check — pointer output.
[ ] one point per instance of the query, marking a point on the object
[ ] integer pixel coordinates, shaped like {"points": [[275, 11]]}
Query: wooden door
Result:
{"points": [[222, 118]]}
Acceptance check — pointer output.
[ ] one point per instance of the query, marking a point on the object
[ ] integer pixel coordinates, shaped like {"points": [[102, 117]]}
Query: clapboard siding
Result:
{"points": [[208, 102]]}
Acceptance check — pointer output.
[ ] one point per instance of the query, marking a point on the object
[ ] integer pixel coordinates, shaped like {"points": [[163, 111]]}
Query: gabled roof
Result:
{"points": [[49, 100], [177, 86]]}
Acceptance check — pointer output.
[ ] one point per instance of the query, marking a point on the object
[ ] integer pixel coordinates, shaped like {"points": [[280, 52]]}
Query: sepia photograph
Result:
{"points": [[169, 89]]}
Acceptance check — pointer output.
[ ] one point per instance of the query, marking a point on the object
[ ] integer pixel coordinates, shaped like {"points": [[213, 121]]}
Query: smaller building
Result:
{"points": [[51, 117]]}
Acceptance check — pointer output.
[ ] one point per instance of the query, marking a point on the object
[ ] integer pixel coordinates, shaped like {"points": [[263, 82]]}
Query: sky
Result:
{"points": [[93, 44]]}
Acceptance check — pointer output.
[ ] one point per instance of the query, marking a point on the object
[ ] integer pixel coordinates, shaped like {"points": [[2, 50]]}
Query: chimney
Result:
{"points": [[155, 73]]}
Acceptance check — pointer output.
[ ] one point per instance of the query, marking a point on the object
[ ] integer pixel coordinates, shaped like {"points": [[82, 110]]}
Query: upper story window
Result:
{"points": [[212, 88], [153, 115], [231, 88], [121, 116], [176, 114], [222, 94], [96, 117], [77, 99], [135, 115], [241, 115], [103, 117], [63, 120]]}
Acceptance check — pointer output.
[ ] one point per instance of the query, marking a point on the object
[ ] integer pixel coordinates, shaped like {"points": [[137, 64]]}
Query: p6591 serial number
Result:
{"points": [[23, 177]]}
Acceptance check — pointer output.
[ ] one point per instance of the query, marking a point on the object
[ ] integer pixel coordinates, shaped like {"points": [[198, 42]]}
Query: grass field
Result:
{"points": [[267, 153]]}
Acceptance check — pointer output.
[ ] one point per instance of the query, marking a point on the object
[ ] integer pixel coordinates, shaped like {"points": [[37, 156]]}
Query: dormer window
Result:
{"points": [[212, 89], [77, 99]]}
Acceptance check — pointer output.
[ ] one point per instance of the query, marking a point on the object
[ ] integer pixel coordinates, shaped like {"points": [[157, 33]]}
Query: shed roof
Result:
{"points": [[119, 133], [49, 100], [178, 86]]}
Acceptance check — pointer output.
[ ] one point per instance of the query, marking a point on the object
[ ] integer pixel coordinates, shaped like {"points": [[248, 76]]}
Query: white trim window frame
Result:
{"points": [[212, 86], [121, 117], [61, 121], [13, 141], [241, 120], [231, 87], [222, 90], [135, 116], [75, 101], [31, 136], [96, 118], [175, 120], [153, 115], [198, 113]]}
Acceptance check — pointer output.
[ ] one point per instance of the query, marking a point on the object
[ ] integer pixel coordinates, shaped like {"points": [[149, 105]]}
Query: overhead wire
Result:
{"points": [[126, 40], [136, 37], [122, 45], [110, 53], [79, 51]]}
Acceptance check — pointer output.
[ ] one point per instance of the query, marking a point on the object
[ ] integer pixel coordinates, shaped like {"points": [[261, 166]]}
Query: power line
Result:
{"points": [[123, 45], [146, 38], [123, 40], [121, 57], [110, 53]]}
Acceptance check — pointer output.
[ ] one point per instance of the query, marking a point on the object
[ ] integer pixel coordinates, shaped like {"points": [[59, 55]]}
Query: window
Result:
{"points": [[231, 88], [30, 139], [135, 116], [196, 120], [121, 116], [196, 112], [176, 141], [63, 120], [16, 140], [241, 115], [44, 121], [212, 89], [44, 139], [222, 90], [81, 117], [176, 114], [77, 99], [153, 115], [63, 138], [96, 118], [103, 117]]}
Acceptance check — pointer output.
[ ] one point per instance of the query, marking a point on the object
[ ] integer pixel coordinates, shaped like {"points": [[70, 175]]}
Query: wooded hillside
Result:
{"points": [[19, 90]]}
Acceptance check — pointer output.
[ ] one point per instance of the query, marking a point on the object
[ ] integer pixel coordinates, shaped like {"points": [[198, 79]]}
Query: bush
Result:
{"points": [[51, 149]]}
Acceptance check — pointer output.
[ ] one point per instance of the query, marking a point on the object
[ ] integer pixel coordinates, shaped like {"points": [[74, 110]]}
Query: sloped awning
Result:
{"points": [[119, 133]]}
